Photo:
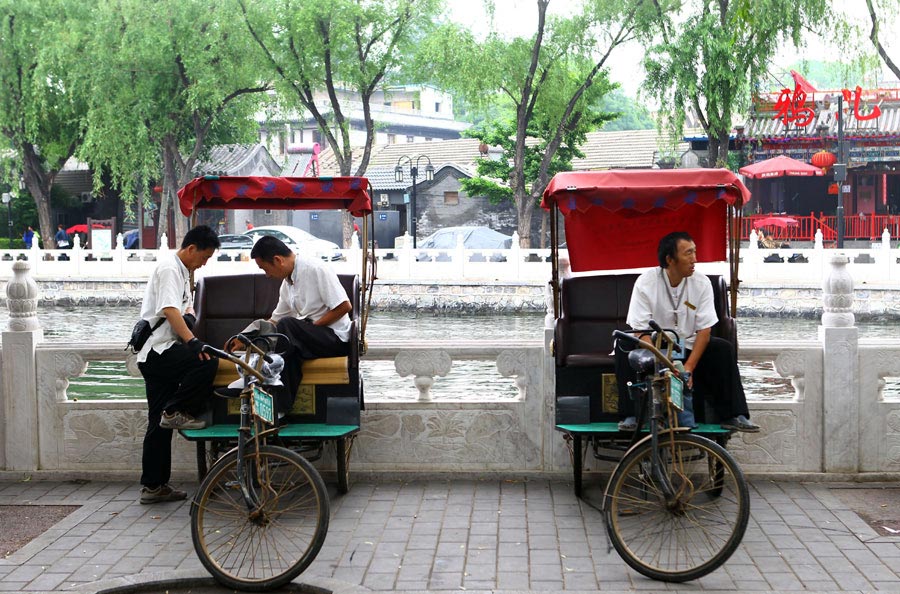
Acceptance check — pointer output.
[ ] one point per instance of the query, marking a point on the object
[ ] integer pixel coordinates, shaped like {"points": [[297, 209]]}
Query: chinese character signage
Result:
{"points": [[791, 107]]}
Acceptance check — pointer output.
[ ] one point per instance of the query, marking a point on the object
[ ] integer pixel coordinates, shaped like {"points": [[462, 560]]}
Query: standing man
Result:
{"points": [[312, 311], [28, 237], [676, 297], [178, 376]]}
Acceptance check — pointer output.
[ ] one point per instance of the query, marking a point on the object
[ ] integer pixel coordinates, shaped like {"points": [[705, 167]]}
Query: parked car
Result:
{"points": [[235, 242], [298, 240], [474, 238]]}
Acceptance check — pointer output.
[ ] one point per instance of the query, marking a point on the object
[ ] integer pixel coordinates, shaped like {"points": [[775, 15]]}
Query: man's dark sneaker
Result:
{"points": [[740, 423], [628, 424], [228, 392], [160, 494], [180, 420]]}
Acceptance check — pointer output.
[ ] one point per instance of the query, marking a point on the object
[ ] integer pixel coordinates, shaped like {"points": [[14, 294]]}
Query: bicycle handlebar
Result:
{"points": [[251, 346], [647, 345]]}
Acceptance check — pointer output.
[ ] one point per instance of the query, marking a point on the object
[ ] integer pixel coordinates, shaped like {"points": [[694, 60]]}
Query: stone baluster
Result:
{"points": [[515, 256], [423, 366], [163, 244], [20, 446], [840, 341], [407, 256], [459, 258]]}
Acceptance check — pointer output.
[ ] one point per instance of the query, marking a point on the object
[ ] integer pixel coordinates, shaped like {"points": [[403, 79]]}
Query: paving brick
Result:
{"points": [[445, 581], [512, 580], [850, 580]]}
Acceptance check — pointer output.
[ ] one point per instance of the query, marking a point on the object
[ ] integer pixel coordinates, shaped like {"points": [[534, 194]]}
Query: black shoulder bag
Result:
{"points": [[140, 333]]}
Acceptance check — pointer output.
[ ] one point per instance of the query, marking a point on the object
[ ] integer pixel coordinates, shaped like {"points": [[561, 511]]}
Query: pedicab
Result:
{"points": [[676, 504], [328, 404]]}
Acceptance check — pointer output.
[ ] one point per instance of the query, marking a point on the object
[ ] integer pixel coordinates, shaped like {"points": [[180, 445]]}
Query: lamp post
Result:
{"points": [[7, 200], [414, 173], [840, 173]]}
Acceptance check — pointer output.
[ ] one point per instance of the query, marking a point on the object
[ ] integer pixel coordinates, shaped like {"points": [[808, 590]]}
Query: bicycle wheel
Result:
{"points": [[265, 549], [694, 532]]}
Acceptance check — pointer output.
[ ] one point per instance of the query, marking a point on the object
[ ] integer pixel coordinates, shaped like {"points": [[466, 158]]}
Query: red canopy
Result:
{"points": [[779, 166], [276, 193], [783, 222], [614, 219]]}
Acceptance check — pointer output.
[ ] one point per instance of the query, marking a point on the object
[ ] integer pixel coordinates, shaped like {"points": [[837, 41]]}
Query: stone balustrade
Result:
{"points": [[877, 265], [837, 422]]}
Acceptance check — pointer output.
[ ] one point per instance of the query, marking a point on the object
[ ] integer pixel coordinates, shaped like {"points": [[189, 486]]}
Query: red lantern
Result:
{"points": [[824, 159], [157, 189]]}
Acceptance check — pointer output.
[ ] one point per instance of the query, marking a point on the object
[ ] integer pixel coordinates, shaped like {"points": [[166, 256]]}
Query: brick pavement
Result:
{"points": [[477, 535]]}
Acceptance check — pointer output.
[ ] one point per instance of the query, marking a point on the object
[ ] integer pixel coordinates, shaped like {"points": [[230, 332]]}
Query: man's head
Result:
{"points": [[59, 226], [274, 257], [198, 246], [678, 254]]}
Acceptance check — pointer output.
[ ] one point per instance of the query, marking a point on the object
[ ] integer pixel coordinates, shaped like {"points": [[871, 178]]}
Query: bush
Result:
{"points": [[17, 243]]}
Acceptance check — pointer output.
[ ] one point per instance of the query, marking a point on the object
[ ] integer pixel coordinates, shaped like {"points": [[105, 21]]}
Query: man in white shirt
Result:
{"points": [[677, 297], [312, 311], [178, 376]]}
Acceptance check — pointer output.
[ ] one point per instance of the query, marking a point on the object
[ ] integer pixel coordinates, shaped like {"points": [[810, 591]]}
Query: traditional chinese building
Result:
{"points": [[803, 124]]}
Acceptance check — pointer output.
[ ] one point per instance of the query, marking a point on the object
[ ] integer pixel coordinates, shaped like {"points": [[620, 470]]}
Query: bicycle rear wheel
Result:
{"points": [[262, 549], [696, 530]]}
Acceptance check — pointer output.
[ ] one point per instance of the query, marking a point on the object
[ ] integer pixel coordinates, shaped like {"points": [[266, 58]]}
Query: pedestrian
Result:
{"points": [[249, 224], [675, 296], [312, 312], [177, 374], [62, 238], [28, 237]]}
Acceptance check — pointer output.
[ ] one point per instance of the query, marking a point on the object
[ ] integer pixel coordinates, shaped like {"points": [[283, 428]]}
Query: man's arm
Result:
{"points": [[335, 314], [701, 340], [176, 321]]}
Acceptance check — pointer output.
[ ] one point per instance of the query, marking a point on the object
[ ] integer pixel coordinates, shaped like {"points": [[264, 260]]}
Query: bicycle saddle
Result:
{"points": [[641, 360]]}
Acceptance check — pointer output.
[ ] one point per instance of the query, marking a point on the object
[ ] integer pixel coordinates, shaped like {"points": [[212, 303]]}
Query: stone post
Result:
{"points": [[19, 403], [840, 341]]}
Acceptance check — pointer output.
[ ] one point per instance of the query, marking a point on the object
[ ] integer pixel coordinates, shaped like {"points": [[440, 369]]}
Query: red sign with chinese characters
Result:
{"points": [[791, 107]]}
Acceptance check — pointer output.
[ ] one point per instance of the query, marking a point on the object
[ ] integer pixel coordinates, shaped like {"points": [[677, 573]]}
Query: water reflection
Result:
{"points": [[468, 380]]}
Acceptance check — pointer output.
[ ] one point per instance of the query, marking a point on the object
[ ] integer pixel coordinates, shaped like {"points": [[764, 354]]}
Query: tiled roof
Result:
{"points": [[766, 125], [620, 150], [382, 178], [238, 159]]}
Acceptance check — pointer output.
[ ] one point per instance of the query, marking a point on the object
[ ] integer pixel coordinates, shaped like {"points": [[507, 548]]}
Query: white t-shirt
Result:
{"points": [[312, 290], [653, 298], [168, 286]]}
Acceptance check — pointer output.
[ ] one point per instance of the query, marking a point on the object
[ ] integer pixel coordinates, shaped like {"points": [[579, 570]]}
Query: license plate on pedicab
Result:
{"points": [[676, 392], [263, 406]]}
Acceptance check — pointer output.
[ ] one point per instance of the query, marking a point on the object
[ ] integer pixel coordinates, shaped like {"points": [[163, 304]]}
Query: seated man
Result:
{"points": [[676, 297], [312, 312]]}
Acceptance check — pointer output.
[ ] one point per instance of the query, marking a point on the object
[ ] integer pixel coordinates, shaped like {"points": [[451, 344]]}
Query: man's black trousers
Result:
{"points": [[716, 381], [307, 341], [176, 380]]}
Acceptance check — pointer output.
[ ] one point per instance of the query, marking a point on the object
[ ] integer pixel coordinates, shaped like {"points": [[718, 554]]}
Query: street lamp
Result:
{"points": [[7, 200], [413, 172]]}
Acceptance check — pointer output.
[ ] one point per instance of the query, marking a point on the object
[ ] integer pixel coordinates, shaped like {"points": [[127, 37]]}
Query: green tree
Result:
{"points": [[708, 61], [329, 57], [39, 111], [549, 81], [629, 114], [167, 80]]}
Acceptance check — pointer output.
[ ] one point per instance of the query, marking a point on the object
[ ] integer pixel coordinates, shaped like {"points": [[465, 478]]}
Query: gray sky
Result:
{"points": [[519, 18]]}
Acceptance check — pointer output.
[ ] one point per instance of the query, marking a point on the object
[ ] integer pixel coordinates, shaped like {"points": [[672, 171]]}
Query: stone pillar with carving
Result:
{"points": [[840, 341], [423, 365], [19, 424]]}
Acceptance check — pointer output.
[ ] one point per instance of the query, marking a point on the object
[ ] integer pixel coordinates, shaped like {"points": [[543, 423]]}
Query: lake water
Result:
{"points": [[468, 380]]}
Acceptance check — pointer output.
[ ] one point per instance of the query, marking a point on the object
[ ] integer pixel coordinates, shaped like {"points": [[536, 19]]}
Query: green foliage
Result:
{"points": [[631, 115], [709, 61], [834, 75]]}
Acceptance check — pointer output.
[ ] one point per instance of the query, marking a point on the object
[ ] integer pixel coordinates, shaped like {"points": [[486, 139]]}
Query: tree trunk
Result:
{"points": [[712, 152], [169, 179], [524, 210], [545, 223], [38, 182]]}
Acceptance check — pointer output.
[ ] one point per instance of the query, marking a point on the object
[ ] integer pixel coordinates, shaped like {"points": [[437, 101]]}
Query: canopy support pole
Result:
{"points": [[554, 258]]}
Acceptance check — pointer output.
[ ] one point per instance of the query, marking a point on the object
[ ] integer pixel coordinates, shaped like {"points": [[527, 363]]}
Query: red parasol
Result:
{"points": [[82, 228], [779, 166], [783, 222]]}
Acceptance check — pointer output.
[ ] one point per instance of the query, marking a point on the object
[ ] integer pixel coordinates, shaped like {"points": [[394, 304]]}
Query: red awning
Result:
{"points": [[277, 193], [779, 166], [614, 219]]}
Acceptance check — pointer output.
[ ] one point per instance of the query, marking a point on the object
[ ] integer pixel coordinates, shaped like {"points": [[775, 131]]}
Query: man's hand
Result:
{"points": [[195, 345]]}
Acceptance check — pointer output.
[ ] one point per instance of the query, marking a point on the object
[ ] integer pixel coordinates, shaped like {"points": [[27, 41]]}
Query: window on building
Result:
{"points": [[428, 139], [392, 139], [410, 139], [437, 107], [451, 198]]}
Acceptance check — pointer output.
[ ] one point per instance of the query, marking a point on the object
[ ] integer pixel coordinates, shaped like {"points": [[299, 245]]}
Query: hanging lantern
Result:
{"points": [[833, 189], [824, 159], [157, 189]]}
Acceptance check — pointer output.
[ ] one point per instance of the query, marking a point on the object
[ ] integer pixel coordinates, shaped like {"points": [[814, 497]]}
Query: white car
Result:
{"points": [[302, 242]]}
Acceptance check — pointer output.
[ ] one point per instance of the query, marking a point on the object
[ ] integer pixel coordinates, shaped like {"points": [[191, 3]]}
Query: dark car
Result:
{"points": [[235, 242]]}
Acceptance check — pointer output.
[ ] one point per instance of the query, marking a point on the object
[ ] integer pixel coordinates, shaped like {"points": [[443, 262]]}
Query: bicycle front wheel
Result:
{"points": [[269, 542], [691, 531]]}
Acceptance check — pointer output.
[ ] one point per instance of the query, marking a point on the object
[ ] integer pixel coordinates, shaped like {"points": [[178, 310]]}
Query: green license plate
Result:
{"points": [[676, 392], [263, 406]]}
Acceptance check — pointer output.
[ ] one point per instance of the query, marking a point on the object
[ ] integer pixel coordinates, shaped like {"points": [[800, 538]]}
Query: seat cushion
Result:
{"points": [[327, 370]]}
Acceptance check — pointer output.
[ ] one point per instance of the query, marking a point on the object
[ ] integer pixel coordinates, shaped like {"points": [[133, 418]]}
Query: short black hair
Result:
{"points": [[668, 246], [267, 247], [201, 236]]}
